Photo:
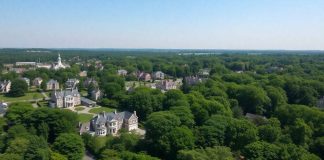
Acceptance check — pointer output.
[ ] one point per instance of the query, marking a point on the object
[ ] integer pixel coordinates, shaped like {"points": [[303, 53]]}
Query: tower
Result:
{"points": [[59, 63]]}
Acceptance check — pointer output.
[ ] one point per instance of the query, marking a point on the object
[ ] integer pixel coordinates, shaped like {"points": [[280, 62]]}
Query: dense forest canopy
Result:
{"points": [[280, 89]]}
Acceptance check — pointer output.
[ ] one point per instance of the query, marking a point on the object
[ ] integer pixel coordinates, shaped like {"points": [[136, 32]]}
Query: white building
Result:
{"points": [[59, 64], [158, 75], [5, 86], [37, 81], [122, 72]]}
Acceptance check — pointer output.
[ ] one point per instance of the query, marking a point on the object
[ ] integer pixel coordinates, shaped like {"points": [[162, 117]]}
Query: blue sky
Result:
{"points": [[205, 24]]}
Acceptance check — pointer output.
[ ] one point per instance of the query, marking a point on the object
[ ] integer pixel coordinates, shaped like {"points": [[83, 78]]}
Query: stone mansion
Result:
{"points": [[110, 123]]}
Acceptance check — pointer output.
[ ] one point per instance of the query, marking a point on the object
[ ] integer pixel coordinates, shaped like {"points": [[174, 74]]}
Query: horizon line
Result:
{"points": [[98, 48]]}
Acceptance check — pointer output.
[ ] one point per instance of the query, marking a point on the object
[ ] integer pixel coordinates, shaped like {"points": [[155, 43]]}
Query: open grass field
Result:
{"points": [[101, 109], [28, 96], [83, 117], [79, 108]]}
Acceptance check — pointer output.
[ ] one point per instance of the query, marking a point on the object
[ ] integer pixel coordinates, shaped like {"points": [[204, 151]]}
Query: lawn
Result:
{"points": [[79, 108], [43, 104], [28, 96], [101, 109], [83, 117]]}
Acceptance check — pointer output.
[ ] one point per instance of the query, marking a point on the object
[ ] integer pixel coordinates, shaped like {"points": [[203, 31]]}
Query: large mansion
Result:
{"points": [[65, 98], [110, 123]]}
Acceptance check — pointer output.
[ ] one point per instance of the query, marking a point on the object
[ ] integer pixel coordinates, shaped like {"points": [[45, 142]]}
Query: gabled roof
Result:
{"points": [[52, 81], [112, 116], [68, 92]]}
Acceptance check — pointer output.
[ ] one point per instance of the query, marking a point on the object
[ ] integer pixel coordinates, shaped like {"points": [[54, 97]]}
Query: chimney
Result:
{"points": [[135, 113], [115, 111]]}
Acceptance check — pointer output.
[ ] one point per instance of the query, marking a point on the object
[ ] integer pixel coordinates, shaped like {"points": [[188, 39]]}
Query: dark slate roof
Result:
{"points": [[68, 92], [88, 101], [104, 117]]}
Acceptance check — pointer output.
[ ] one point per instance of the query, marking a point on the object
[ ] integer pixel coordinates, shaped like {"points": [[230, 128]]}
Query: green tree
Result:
{"points": [[215, 153], [37, 149], [261, 150], [271, 131], [253, 99], [18, 146], [300, 132], [240, 133], [144, 101], [18, 88], [157, 126], [318, 146], [185, 115], [70, 145]]}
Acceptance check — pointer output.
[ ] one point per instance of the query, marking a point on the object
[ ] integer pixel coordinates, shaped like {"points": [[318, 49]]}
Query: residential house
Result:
{"points": [[5, 86], [52, 85], [65, 98], [83, 74], [90, 81], [166, 85], [96, 94], [122, 72], [37, 82], [144, 76], [192, 80], [110, 123], [204, 72], [159, 75], [72, 83]]}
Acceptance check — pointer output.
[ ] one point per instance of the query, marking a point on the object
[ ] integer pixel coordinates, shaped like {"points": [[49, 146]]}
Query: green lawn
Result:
{"points": [[84, 93], [43, 104], [79, 108], [83, 117], [101, 109], [28, 96]]}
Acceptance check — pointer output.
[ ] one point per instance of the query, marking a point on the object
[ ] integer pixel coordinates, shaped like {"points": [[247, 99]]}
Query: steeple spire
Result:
{"points": [[59, 59]]}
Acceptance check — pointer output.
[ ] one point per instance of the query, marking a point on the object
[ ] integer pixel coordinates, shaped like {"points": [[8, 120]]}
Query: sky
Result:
{"points": [[170, 24]]}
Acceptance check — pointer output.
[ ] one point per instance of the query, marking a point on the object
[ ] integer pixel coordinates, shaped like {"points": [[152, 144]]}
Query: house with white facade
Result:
{"points": [[52, 85], [65, 98], [122, 72], [37, 82], [158, 75], [110, 123], [5, 86]]}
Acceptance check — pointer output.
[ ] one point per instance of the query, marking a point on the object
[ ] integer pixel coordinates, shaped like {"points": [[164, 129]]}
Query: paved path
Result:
{"points": [[88, 156], [45, 95]]}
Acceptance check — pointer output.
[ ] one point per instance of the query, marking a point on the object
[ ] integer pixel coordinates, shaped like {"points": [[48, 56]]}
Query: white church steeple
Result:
{"points": [[59, 64]]}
